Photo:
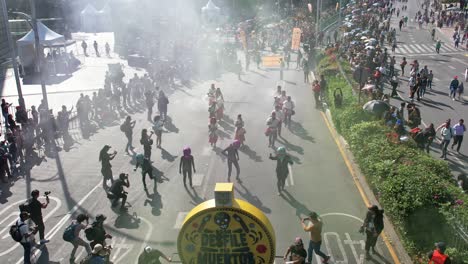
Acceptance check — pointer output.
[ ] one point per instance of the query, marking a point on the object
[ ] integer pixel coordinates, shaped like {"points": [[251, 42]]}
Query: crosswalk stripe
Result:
{"points": [[427, 48], [411, 49], [403, 50], [449, 48], [180, 220], [417, 47]]}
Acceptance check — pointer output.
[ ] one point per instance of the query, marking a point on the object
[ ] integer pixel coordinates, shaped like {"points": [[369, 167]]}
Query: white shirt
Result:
{"points": [[288, 105], [273, 123], [24, 229], [279, 115]]}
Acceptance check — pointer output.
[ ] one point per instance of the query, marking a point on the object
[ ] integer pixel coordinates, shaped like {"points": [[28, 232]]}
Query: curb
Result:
{"points": [[389, 235]]}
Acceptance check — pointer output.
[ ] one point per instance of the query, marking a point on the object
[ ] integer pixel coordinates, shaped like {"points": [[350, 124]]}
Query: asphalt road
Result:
{"points": [[319, 179], [436, 106]]}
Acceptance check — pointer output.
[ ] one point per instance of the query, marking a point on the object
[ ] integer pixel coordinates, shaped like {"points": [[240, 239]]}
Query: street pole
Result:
{"points": [[339, 13], [38, 62], [13, 55], [317, 18]]}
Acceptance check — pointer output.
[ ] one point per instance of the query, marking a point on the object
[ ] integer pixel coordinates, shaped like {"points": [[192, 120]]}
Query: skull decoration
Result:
{"points": [[222, 220]]}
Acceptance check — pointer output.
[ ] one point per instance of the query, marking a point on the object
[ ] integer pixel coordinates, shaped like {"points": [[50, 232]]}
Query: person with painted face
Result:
{"points": [[282, 171], [186, 165], [232, 158]]}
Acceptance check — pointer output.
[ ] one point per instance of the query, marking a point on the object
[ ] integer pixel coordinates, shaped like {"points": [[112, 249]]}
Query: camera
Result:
{"points": [[47, 193]]}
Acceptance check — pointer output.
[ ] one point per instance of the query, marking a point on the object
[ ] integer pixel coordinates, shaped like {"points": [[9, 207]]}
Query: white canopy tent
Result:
{"points": [[210, 12], [104, 18], [47, 37], [89, 18]]}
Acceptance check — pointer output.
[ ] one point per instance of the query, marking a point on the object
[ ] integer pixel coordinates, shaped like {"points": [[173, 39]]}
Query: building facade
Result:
{"points": [[4, 47]]}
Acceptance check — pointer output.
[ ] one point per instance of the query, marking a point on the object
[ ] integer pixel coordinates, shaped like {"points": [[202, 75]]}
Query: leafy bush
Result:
{"points": [[417, 191]]}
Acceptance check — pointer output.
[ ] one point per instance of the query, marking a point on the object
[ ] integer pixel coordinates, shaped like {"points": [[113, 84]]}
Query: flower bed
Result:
{"points": [[417, 191]]}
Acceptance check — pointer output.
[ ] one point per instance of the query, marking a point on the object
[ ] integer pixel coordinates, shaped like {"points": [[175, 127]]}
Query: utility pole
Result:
{"points": [[13, 55], [39, 54], [339, 13]]}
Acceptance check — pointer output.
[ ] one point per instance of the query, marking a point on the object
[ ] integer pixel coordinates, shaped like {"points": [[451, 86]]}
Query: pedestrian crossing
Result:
{"points": [[424, 48]]}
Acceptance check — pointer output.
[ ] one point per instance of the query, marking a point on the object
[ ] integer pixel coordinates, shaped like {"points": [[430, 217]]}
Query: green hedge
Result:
{"points": [[417, 191]]}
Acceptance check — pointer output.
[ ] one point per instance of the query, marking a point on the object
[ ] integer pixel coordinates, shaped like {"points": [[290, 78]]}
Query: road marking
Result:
{"points": [[291, 175], [64, 219], [351, 243], [49, 214], [418, 48], [180, 220], [147, 237], [451, 67], [443, 62], [359, 187], [340, 246], [197, 179]]}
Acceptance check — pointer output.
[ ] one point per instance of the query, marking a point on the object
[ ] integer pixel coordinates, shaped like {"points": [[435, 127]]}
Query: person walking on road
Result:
{"points": [[282, 170], [460, 90], [429, 135], [438, 46], [438, 256], [447, 134], [298, 60], [315, 229], [372, 226], [147, 142], [453, 87], [272, 129], [281, 62], [27, 235], [146, 168], [240, 130], [78, 225], [35, 210], [288, 109], [149, 99], [186, 165], [297, 252], [458, 131], [430, 76], [213, 132], [232, 156], [158, 127], [162, 105], [402, 66], [107, 47], [96, 48], [306, 69], [84, 46], [106, 167], [127, 128]]}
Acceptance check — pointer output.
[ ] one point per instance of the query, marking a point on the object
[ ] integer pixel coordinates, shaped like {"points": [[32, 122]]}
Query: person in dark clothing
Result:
{"points": [[453, 87], [186, 165], [99, 233], [35, 209], [282, 171], [146, 168], [394, 83], [373, 226], [96, 49], [151, 256], [11, 122], [162, 105], [147, 142], [106, 168], [232, 158], [429, 135], [5, 111], [306, 69], [127, 128], [149, 103], [117, 191], [297, 251]]}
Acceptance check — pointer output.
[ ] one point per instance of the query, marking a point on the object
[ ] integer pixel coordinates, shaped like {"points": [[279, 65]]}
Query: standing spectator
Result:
{"points": [[35, 209], [315, 229], [299, 58], [430, 76], [306, 69], [447, 134], [106, 167], [458, 131], [373, 226], [158, 127], [429, 135], [438, 256], [272, 129], [147, 142], [26, 235], [232, 156], [5, 110], [162, 105], [78, 225], [149, 103], [84, 46], [96, 49], [403, 65], [281, 62], [107, 47], [316, 89], [63, 119]]}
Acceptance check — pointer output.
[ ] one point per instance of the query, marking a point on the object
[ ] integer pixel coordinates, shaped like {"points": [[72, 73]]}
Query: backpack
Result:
{"points": [[25, 207], [69, 233], [15, 232], [90, 233]]}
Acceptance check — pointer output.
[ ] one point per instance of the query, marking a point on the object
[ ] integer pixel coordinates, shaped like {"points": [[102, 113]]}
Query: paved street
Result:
{"points": [[436, 106], [319, 179]]}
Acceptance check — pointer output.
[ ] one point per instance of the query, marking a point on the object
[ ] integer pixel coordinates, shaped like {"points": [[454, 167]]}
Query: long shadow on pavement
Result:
{"points": [[253, 199], [298, 130], [196, 199], [301, 209], [250, 153], [289, 146]]}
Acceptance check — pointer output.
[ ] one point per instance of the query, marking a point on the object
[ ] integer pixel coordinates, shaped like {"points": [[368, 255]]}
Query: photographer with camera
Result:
{"points": [[35, 209], [117, 192], [96, 233], [106, 168]]}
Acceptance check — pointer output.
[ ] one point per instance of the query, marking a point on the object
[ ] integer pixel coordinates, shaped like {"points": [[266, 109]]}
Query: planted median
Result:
{"points": [[417, 191]]}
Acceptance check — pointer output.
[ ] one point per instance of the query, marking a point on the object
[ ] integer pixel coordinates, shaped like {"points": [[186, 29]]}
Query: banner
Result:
{"points": [[296, 39], [271, 61]]}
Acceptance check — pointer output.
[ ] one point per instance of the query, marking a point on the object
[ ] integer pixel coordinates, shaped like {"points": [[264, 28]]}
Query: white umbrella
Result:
{"points": [[370, 47], [363, 37]]}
